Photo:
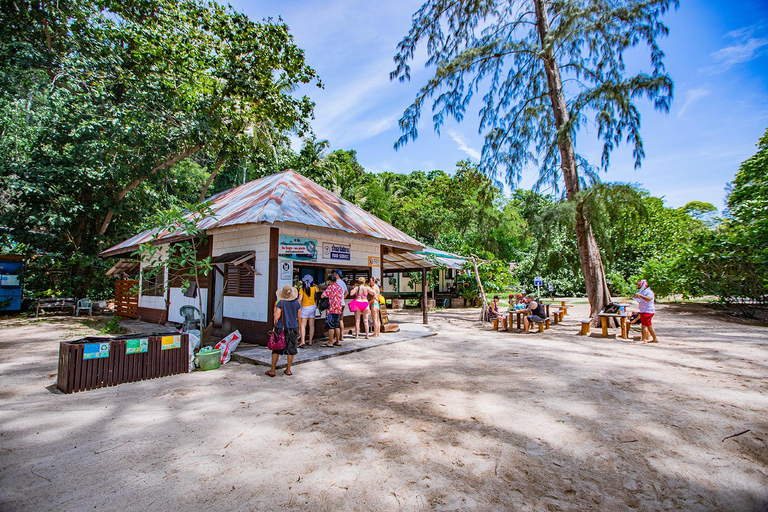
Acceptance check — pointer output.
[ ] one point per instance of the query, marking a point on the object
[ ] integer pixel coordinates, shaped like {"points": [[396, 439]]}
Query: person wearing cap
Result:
{"points": [[307, 295], [286, 317], [645, 302]]}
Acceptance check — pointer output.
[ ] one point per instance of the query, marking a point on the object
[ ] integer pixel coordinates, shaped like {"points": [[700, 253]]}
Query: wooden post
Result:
{"points": [[480, 288], [424, 295], [274, 244]]}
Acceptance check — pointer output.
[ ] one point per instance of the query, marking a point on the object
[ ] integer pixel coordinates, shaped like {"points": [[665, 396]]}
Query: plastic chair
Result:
{"points": [[191, 317], [85, 305], [446, 302]]}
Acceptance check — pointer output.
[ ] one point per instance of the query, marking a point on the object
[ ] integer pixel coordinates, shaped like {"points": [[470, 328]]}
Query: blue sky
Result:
{"points": [[717, 54]]}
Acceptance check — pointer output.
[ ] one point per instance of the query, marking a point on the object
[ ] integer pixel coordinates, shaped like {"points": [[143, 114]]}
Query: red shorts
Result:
{"points": [[645, 318]]}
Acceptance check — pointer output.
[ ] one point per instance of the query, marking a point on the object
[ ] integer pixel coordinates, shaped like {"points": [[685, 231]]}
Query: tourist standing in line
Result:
{"points": [[343, 286], [335, 295], [286, 317], [359, 305], [307, 295], [645, 301], [375, 306]]}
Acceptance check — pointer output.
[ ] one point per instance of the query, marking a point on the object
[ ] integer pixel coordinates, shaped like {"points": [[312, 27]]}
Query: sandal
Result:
{"points": [[326, 345], [288, 372], [269, 373], [337, 344]]}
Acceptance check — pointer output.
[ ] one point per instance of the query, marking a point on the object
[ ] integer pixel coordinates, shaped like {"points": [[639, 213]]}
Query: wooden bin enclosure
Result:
{"points": [[92, 363]]}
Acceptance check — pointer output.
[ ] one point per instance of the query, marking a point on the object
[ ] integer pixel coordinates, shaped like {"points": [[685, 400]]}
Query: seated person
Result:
{"points": [[494, 313], [536, 313]]}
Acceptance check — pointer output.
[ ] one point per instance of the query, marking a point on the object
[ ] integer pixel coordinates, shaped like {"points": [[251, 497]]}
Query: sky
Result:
{"points": [[716, 53]]}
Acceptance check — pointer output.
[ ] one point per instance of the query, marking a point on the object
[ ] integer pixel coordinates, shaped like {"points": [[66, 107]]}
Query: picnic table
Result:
{"points": [[623, 323], [563, 306]]}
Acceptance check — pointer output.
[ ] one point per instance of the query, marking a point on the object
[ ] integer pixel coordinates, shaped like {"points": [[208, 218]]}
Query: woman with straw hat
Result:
{"points": [[286, 317]]}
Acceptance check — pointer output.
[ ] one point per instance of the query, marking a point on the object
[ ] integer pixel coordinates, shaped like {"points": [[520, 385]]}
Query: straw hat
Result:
{"points": [[287, 292]]}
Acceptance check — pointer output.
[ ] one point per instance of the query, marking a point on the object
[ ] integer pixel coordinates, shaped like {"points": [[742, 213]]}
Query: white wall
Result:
{"points": [[246, 238], [178, 300], [152, 302]]}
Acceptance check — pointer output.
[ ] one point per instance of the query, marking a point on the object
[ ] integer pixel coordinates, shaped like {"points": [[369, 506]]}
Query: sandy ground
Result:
{"points": [[467, 420]]}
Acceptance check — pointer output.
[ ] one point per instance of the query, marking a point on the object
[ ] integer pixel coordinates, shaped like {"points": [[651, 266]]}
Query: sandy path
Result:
{"points": [[470, 419]]}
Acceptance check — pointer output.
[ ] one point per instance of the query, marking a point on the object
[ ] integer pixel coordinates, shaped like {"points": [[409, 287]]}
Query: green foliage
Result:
{"points": [[113, 327], [103, 104]]}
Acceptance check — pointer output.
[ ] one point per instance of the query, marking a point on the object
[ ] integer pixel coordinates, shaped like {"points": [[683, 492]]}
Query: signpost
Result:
{"points": [[537, 282]]}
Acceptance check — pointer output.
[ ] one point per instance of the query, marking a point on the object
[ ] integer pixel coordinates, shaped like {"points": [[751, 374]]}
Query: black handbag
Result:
{"points": [[323, 303]]}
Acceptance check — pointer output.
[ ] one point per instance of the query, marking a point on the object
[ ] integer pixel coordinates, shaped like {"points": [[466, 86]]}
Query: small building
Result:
{"points": [[11, 269], [263, 235]]}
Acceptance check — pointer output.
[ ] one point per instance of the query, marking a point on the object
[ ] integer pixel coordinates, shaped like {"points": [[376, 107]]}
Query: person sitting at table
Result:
{"points": [[494, 313], [536, 313]]}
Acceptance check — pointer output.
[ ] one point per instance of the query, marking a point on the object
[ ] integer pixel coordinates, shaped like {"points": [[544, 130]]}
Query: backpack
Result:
{"points": [[611, 307], [323, 304]]}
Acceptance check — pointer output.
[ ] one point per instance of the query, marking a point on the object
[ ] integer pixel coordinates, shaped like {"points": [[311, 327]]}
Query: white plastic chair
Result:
{"points": [[85, 305]]}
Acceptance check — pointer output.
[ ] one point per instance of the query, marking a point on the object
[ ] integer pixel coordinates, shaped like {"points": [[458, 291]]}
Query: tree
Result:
{"points": [[182, 260], [101, 100], [546, 67]]}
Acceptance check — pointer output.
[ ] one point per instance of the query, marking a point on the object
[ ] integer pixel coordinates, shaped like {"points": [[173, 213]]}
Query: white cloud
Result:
{"points": [[745, 48], [691, 97], [462, 143]]}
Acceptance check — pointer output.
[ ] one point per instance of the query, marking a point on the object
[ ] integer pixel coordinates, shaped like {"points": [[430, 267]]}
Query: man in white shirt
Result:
{"points": [[645, 302]]}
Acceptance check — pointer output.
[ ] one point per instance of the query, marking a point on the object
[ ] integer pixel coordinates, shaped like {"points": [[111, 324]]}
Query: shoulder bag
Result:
{"points": [[277, 339]]}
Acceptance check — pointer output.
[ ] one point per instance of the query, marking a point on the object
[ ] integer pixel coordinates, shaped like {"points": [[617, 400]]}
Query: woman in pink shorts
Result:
{"points": [[359, 304]]}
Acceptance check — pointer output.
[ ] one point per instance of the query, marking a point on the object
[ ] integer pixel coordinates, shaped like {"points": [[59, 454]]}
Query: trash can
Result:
{"points": [[209, 360]]}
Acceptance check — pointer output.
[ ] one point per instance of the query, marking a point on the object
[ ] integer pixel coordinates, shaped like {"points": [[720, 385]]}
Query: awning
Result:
{"points": [[444, 258], [406, 261], [123, 266], [235, 258]]}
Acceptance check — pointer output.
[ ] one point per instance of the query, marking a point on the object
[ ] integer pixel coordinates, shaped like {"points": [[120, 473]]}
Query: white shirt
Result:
{"points": [[646, 306]]}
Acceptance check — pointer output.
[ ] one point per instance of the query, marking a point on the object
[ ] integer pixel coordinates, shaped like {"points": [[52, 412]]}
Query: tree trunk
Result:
{"points": [[589, 254], [207, 185]]}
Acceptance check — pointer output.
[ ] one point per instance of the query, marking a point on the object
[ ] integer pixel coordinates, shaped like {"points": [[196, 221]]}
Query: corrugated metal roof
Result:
{"points": [[285, 197]]}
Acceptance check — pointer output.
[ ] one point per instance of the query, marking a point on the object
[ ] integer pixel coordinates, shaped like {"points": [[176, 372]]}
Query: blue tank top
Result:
{"points": [[290, 313]]}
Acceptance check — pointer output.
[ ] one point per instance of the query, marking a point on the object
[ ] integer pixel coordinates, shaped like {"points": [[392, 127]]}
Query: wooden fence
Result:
{"points": [[92, 363], [126, 299]]}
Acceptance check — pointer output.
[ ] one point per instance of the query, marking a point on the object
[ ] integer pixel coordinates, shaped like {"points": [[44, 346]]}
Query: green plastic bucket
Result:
{"points": [[209, 360]]}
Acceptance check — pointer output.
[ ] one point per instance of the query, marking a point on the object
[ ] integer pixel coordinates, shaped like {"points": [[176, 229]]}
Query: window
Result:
{"points": [[152, 281], [240, 279], [450, 273]]}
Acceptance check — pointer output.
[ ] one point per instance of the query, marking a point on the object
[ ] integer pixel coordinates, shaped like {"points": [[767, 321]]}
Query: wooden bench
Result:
{"points": [[555, 317], [55, 303], [585, 324], [542, 325]]}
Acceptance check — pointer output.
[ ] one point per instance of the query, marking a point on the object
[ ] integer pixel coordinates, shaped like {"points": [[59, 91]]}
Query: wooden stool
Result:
{"points": [[541, 326], [546, 323], [495, 324], [555, 317], [585, 326]]}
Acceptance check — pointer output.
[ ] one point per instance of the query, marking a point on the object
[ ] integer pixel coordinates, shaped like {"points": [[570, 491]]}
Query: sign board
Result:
{"points": [[286, 271], [96, 350], [297, 248], [374, 261], [136, 346], [333, 251], [538, 281], [551, 287], [169, 342], [9, 280]]}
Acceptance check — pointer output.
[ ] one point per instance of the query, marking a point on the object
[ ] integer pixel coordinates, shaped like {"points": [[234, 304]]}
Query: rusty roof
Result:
{"points": [[284, 197]]}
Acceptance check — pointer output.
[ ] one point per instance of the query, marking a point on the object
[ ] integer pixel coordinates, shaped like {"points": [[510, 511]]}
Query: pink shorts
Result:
{"points": [[645, 318], [358, 305]]}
